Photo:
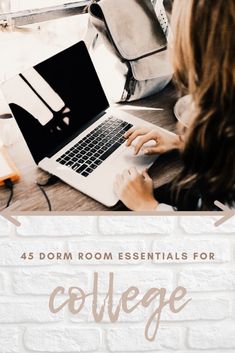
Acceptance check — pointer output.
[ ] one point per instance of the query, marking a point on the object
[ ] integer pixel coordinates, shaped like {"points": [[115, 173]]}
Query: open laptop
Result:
{"points": [[68, 125]]}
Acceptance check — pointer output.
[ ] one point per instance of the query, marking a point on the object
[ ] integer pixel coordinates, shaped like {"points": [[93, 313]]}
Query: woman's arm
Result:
{"points": [[164, 140], [136, 191]]}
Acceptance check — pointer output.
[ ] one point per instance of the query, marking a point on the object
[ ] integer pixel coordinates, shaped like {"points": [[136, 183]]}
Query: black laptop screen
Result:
{"points": [[55, 100]]}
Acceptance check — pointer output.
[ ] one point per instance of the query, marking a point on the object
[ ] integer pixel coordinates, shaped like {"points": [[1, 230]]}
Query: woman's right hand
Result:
{"points": [[165, 140]]}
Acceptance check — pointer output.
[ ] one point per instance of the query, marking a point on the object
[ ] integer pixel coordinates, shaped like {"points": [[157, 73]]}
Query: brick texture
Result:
{"points": [[207, 323]]}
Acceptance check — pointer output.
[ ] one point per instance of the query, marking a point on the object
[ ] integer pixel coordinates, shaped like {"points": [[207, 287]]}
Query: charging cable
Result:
{"points": [[9, 185], [51, 180]]}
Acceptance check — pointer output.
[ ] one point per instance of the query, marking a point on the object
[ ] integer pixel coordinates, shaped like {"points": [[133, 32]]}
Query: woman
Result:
{"points": [[204, 62]]}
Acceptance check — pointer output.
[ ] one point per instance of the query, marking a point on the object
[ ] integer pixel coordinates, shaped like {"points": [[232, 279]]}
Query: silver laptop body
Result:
{"points": [[69, 127]]}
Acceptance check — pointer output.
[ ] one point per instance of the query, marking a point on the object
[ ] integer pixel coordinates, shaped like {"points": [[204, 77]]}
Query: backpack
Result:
{"points": [[128, 48]]}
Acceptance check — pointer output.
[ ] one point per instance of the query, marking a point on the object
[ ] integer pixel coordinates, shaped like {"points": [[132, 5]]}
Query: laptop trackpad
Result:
{"points": [[141, 161]]}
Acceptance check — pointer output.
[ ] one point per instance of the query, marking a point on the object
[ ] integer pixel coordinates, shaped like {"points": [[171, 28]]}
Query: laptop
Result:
{"points": [[69, 126]]}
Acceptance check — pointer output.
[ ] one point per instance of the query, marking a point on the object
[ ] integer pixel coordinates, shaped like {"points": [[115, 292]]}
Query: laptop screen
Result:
{"points": [[55, 100]]}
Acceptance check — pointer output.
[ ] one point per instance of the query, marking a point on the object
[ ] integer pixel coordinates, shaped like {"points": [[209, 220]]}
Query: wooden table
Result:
{"points": [[28, 197]]}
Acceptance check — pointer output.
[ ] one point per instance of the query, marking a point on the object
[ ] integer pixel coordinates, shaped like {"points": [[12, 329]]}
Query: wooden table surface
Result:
{"points": [[28, 197]]}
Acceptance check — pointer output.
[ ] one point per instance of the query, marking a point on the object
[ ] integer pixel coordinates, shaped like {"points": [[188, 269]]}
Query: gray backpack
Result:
{"points": [[129, 48]]}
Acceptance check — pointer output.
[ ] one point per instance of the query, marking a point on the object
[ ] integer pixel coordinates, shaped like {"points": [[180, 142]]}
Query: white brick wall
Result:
{"points": [[204, 225], [207, 279], [42, 281], [123, 225], [207, 324], [212, 337], [4, 227], [9, 339], [57, 226], [17, 311], [63, 339], [129, 339]]}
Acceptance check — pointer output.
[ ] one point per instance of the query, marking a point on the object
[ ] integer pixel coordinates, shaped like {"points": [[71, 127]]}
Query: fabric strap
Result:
{"points": [[162, 17]]}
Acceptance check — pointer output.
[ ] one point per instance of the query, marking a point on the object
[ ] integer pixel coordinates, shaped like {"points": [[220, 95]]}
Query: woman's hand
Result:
{"points": [[165, 140], [135, 190]]}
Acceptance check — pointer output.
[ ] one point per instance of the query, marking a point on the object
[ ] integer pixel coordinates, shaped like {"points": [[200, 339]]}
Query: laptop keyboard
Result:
{"points": [[90, 152]]}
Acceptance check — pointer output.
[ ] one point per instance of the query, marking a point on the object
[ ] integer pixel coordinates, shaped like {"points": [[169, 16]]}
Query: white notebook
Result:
{"points": [[5, 169]]}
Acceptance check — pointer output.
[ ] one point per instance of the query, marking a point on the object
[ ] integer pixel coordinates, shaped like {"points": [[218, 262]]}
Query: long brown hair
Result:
{"points": [[204, 62]]}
